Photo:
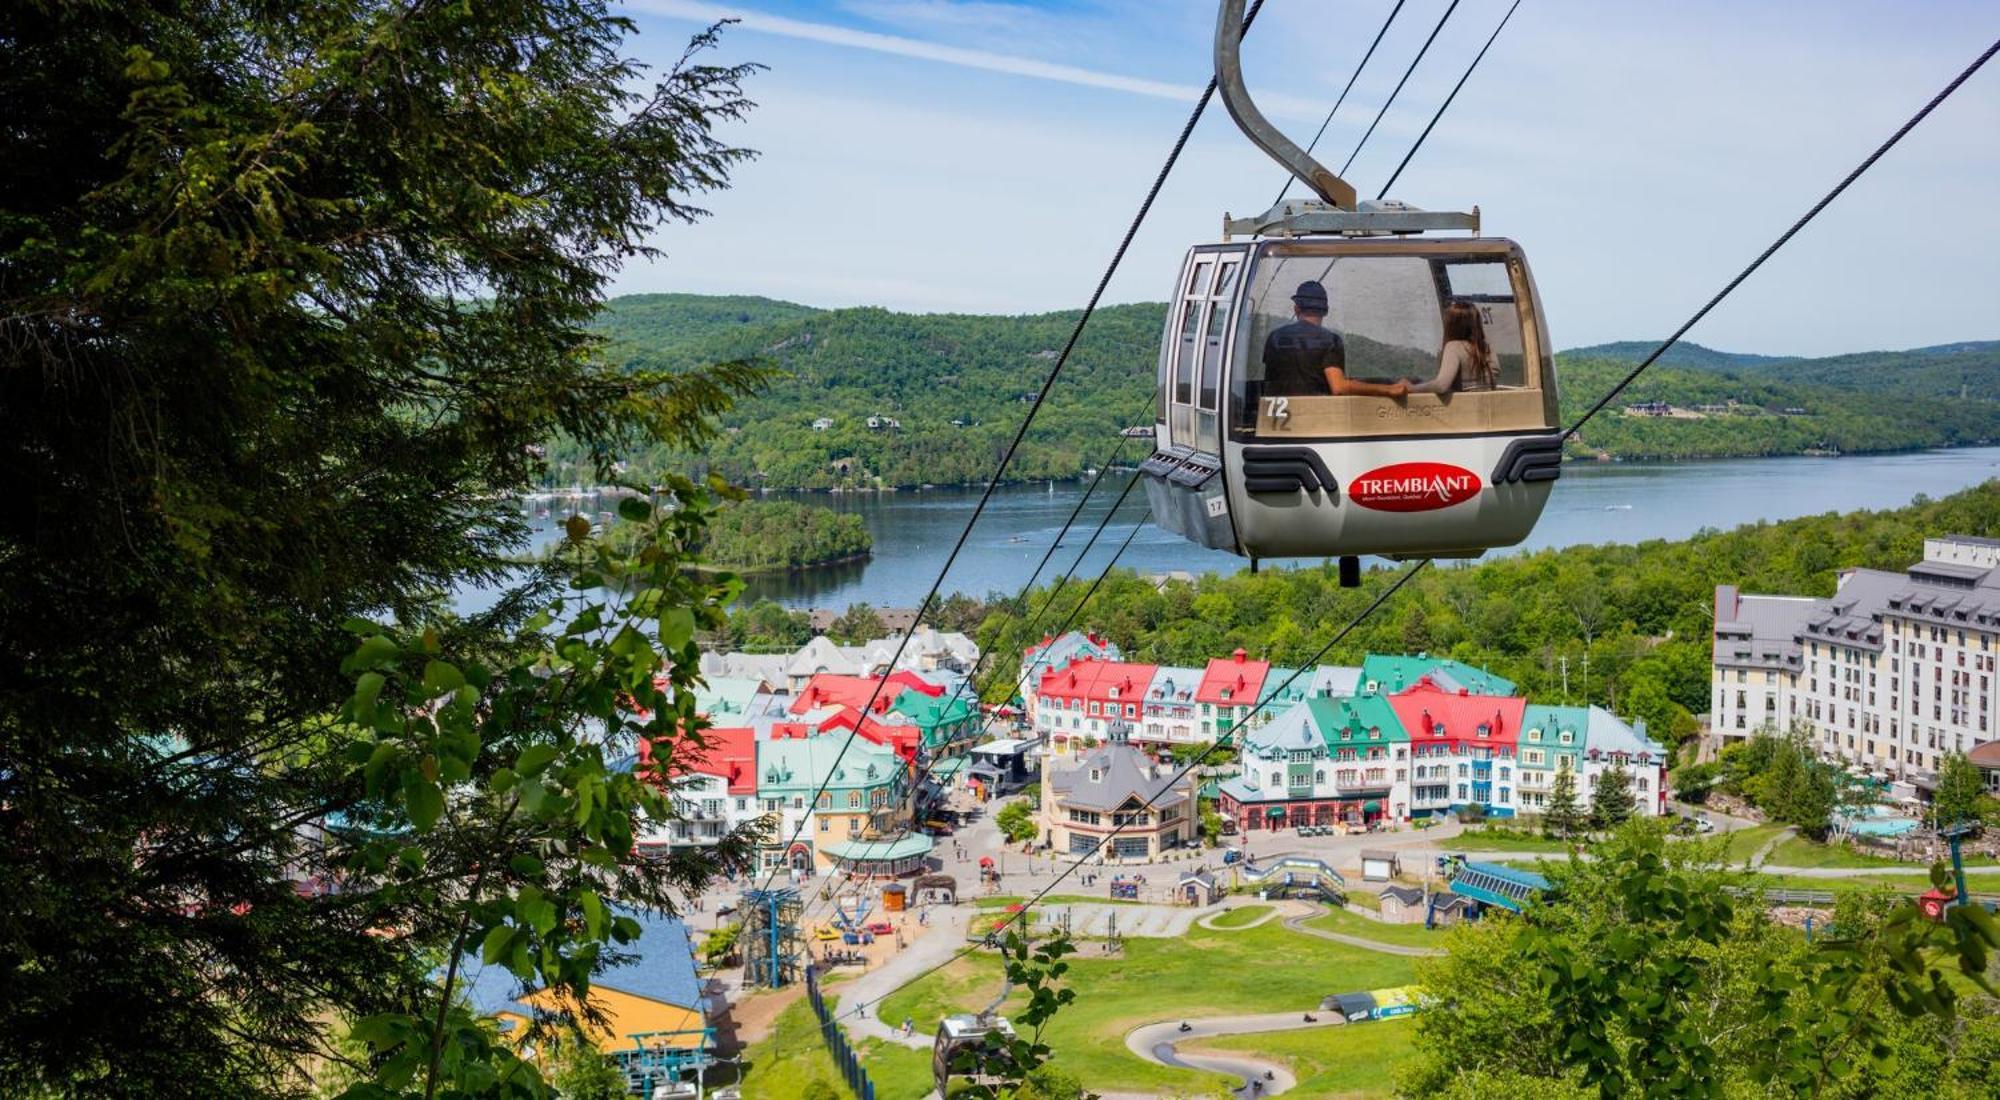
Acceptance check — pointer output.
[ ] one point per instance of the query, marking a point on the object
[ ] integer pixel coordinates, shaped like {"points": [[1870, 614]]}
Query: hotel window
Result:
{"points": [[1461, 791], [1563, 737], [853, 800]]}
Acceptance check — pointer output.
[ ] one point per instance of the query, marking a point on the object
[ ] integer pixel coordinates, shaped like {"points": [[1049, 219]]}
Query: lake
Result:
{"points": [[1593, 503]]}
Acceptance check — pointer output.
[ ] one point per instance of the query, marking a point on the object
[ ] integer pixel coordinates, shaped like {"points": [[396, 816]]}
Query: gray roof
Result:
{"points": [[1378, 853], [1760, 631], [1122, 774], [1291, 731], [1408, 895]]}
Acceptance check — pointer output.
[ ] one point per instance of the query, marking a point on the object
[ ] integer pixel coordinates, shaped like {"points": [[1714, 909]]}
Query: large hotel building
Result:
{"points": [[1890, 673]]}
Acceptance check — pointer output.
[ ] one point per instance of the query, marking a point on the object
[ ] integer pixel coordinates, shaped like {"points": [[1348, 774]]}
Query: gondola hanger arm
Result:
{"points": [[1236, 99]]}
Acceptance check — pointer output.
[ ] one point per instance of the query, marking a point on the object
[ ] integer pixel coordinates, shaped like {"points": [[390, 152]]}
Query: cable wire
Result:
{"points": [[1442, 107], [1028, 906], [1328, 120], [1390, 102], [1007, 457], [1787, 235]]}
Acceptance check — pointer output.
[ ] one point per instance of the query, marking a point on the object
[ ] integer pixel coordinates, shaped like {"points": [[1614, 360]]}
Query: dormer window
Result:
{"points": [[1096, 776], [1563, 737]]}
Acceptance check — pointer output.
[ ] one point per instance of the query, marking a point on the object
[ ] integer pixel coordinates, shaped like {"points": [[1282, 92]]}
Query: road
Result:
{"points": [[1158, 1042]]}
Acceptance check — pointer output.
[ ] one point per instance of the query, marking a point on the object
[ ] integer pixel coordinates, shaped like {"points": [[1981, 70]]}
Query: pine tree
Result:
{"points": [[1613, 803], [1563, 818]]}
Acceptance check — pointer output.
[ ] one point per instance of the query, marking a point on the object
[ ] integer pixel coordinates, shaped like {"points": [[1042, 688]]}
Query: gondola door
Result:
{"points": [[1187, 495]]}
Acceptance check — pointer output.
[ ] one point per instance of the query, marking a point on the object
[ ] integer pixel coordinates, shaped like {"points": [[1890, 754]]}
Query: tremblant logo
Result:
{"points": [[1414, 487]]}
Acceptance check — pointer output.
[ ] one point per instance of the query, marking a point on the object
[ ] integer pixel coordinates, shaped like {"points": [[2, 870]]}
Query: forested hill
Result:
{"points": [[947, 392], [1970, 369]]}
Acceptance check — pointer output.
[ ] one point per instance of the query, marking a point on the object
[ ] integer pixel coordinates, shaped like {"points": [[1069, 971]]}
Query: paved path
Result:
{"points": [[1157, 1042], [1208, 921], [1758, 857], [1297, 923]]}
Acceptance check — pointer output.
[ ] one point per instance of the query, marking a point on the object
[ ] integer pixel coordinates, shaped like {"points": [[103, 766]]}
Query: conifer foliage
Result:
{"points": [[291, 296]]}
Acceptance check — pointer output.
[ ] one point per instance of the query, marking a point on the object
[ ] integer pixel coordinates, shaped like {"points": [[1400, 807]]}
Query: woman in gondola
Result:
{"points": [[1467, 361]]}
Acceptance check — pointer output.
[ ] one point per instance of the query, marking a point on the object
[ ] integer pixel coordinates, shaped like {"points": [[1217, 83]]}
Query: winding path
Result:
{"points": [[1297, 923], [1208, 921], [1157, 1043]]}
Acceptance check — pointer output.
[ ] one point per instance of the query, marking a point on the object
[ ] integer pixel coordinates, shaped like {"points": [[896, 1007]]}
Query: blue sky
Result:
{"points": [[986, 155]]}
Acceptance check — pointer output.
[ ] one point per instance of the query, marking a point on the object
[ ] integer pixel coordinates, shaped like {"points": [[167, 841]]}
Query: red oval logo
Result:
{"points": [[1414, 487]]}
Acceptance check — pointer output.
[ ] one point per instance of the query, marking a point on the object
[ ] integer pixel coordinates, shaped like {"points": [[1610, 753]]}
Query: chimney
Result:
{"points": [[1239, 655]]}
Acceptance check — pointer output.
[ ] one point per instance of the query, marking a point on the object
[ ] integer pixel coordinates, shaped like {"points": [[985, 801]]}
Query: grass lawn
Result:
{"points": [[1743, 843], [1207, 972], [1480, 840], [1983, 880], [1354, 1060], [1346, 923], [791, 1057], [1366, 899], [1797, 851], [1237, 918]]}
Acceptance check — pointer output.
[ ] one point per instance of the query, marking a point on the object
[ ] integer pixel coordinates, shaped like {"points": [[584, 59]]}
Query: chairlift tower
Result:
{"points": [[770, 937]]}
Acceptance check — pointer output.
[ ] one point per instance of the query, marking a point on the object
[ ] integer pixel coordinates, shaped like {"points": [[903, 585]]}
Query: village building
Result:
{"points": [[1612, 743], [1117, 789], [1552, 741], [657, 992], [1326, 762], [1228, 690], [1054, 655], [1383, 674], [861, 792], [1088, 702], [1889, 674], [1462, 749], [1169, 711]]}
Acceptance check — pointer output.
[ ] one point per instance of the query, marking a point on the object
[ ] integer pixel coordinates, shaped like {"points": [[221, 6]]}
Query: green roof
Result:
{"points": [[1345, 722], [795, 763], [933, 712], [1391, 674], [859, 851], [724, 697], [945, 769], [1540, 723]]}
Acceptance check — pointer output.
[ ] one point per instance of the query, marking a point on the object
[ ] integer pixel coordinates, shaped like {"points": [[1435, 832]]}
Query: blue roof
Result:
{"points": [[661, 969], [1497, 884], [664, 969]]}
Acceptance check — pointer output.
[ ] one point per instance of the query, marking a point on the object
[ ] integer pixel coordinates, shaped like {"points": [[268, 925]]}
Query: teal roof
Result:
{"points": [[933, 712], [916, 844], [794, 763], [1347, 722], [1498, 884], [1540, 725], [1391, 674], [945, 769], [725, 697], [1301, 687]]}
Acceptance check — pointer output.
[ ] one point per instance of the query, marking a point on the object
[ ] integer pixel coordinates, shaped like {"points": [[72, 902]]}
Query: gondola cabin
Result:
{"points": [[1417, 443], [961, 1046]]}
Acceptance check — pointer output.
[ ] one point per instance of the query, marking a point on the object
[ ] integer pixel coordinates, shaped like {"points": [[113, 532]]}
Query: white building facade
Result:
{"points": [[1890, 673]]}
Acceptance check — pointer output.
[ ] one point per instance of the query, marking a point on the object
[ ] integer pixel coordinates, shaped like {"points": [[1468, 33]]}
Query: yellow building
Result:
{"points": [[656, 992]]}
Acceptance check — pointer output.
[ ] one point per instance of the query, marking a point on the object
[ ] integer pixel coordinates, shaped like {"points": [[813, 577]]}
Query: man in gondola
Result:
{"points": [[1305, 358]]}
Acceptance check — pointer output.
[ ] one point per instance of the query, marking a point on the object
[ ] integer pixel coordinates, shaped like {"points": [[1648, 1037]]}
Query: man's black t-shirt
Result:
{"points": [[1296, 357]]}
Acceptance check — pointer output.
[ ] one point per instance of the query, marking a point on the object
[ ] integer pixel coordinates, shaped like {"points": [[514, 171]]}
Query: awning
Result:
{"points": [[1371, 806], [880, 851], [1275, 811]]}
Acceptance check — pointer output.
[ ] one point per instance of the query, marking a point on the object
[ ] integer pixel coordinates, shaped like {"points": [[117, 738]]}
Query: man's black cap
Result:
{"points": [[1310, 296]]}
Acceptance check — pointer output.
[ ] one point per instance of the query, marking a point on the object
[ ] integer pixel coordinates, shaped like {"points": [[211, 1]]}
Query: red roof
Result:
{"points": [[903, 739], [1236, 674], [826, 689], [1433, 715], [1091, 679], [729, 751]]}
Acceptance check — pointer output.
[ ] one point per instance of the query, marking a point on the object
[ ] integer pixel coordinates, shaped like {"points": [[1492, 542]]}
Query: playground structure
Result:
{"points": [[850, 910], [770, 937], [1373, 1004], [658, 1061], [1294, 875], [934, 889]]}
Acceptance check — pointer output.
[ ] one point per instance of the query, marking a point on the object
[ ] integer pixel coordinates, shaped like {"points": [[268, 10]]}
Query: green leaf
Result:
{"points": [[636, 509], [440, 677], [525, 865], [593, 913], [425, 801], [366, 690], [496, 944], [373, 652], [534, 759], [677, 627]]}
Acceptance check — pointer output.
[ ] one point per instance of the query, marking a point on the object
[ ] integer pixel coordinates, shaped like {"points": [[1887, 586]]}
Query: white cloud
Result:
{"points": [[832, 35]]}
